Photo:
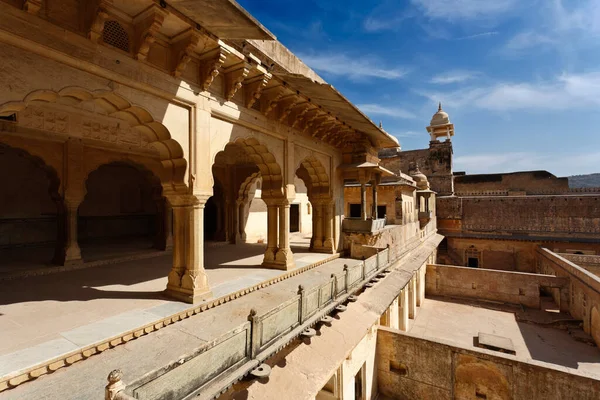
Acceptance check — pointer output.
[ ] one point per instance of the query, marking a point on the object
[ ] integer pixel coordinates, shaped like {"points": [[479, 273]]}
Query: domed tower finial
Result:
{"points": [[440, 106], [380, 124]]}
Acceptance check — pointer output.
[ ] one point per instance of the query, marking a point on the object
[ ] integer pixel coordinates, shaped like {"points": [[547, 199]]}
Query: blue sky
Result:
{"points": [[519, 78]]}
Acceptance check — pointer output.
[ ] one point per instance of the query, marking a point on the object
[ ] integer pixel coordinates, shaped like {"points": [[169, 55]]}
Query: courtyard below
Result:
{"points": [[460, 322]]}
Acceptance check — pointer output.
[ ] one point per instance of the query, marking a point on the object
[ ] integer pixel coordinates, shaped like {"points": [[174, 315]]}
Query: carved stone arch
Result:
{"points": [[168, 151], [245, 187], [150, 167], [261, 156], [40, 162], [314, 175], [148, 173]]}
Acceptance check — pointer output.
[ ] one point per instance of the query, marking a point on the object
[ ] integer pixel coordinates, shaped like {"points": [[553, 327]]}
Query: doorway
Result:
{"points": [[473, 262], [294, 217]]}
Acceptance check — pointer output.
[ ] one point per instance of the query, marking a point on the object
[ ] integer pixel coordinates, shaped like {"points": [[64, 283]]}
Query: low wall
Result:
{"points": [[584, 301], [413, 368], [589, 262], [397, 236], [486, 284]]}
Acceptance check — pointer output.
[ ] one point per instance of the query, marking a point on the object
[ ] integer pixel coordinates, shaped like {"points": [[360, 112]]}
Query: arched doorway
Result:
{"points": [[29, 211], [316, 181], [121, 212], [240, 165]]}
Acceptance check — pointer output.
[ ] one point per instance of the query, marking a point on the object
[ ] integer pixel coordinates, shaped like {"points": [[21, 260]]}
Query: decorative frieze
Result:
{"points": [[91, 127]]}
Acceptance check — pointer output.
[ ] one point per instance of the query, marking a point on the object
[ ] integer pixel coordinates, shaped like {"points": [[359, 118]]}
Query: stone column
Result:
{"points": [[412, 298], [187, 280], [374, 205], [318, 224], [314, 224], [240, 221], [168, 216], [403, 310], [284, 255], [328, 227], [271, 251], [71, 251], [363, 201]]}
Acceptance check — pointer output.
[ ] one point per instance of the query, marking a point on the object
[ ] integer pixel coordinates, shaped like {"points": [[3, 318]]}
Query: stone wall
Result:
{"points": [[435, 162], [527, 182], [589, 262], [485, 284], [396, 236], [584, 301], [556, 216], [502, 253], [412, 368]]}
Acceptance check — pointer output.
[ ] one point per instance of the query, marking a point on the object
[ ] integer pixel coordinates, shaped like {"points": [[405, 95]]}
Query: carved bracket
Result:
{"points": [[234, 77], [182, 51], [299, 112], [32, 6], [147, 25], [97, 22], [254, 88], [270, 98], [310, 117], [211, 63], [286, 105]]}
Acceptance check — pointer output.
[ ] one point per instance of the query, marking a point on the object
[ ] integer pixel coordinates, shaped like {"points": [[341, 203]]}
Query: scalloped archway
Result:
{"points": [[168, 150], [314, 175]]}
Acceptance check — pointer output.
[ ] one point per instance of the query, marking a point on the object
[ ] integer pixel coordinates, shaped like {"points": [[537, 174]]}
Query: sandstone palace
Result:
{"points": [[188, 211]]}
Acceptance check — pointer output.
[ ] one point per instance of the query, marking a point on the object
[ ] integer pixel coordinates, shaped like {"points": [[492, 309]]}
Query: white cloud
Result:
{"points": [[528, 161], [527, 40], [573, 91], [585, 16], [359, 67], [456, 76], [478, 35], [464, 9], [376, 109], [373, 24]]}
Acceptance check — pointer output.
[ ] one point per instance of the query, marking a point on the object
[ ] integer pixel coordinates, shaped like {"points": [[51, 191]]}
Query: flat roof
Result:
{"points": [[225, 18]]}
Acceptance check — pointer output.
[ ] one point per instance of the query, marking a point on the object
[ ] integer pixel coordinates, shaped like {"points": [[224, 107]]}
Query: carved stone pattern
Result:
{"points": [[211, 70], [114, 131]]}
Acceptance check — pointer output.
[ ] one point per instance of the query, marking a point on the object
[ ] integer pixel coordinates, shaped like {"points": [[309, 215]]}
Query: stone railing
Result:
{"points": [[222, 362], [359, 225]]}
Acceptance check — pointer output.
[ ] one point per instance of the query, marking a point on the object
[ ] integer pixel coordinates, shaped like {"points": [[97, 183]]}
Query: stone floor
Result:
{"points": [[51, 314], [460, 322]]}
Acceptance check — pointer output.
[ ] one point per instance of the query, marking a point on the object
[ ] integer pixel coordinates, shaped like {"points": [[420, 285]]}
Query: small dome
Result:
{"points": [[440, 117], [420, 179]]}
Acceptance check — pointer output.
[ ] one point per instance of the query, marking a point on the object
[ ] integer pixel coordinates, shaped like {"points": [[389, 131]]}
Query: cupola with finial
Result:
{"points": [[440, 125]]}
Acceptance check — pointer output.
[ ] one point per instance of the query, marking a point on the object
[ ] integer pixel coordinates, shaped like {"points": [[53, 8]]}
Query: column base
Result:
{"points": [[325, 250], [284, 265], [187, 296], [269, 256]]}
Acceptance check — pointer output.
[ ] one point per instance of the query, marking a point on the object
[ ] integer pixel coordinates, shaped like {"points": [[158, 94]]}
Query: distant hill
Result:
{"points": [[582, 181]]}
